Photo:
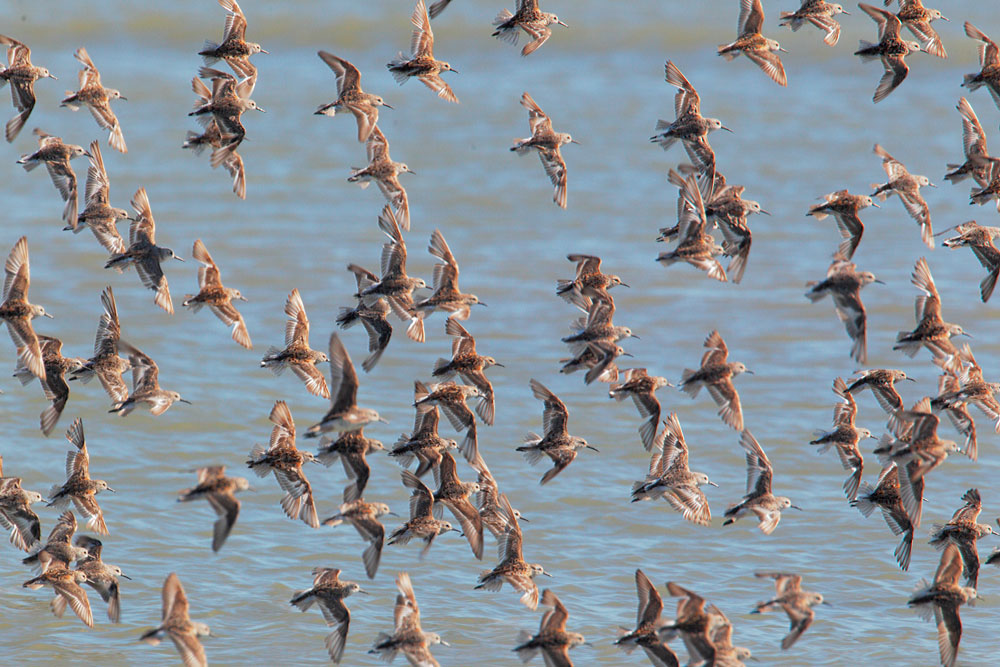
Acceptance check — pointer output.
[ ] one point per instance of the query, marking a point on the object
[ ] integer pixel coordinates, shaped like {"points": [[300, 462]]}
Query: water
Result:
{"points": [[601, 80]]}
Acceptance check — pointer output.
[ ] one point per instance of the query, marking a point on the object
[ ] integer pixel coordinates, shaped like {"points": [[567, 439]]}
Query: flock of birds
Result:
{"points": [[706, 201]]}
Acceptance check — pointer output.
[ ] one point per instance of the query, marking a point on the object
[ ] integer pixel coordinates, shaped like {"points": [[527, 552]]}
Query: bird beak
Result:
{"points": [[483, 303], [179, 259], [594, 448], [444, 643], [636, 337], [847, 13], [392, 514], [126, 576], [765, 212], [454, 70], [566, 26], [53, 78], [547, 574], [932, 185], [723, 127], [87, 154], [500, 365], [625, 285], [712, 484], [383, 420], [880, 282], [50, 316], [627, 354], [574, 141], [783, 50], [749, 371], [269, 53], [111, 490], [122, 97], [386, 105], [829, 604], [797, 507], [527, 520], [361, 590], [943, 18], [968, 335], [876, 205], [261, 110], [184, 400]]}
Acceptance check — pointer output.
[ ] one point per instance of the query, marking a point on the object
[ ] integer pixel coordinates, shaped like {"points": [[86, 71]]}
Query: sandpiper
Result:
{"points": [[641, 387], [716, 375], [885, 496], [647, 622], [556, 443], [438, 7], [468, 363], [844, 207], [407, 635], [552, 639], [971, 387], [977, 158], [917, 19], [16, 514], [950, 399], [529, 18], [931, 331], [980, 240], [21, 75], [223, 153], [364, 517], [145, 385], [421, 62], [453, 398], [219, 299], [907, 186], [598, 357], [588, 284], [696, 247], [297, 354], [98, 213], [177, 625], [423, 444], [818, 13], [385, 173], [66, 584], [753, 45], [97, 98], [230, 98], [144, 254], [447, 296], [106, 365], [512, 568], [54, 385], [494, 516], [218, 489], [727, 208], [882, 383], [422, 523], [758, 500], [79, 487], [351, 448], [844, 283], [17, 312], [102, 577], [58, 550], [372, 317], [989, 64], [963, 531], [350, 97], [598, 326], [990, 191], [329, 591], [234, 49], [890, 49], [344, 413], [691, 622], [795, 602], [549, 144], [285, 460], [720, 630], [941, 600], [845, 436], [56, 156], [688, 126], [454, 494]]}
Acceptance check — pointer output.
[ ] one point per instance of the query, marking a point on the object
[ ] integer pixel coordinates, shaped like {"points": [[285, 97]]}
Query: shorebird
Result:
{"points": [[144, 254], [285, 460], [716, 375], [364, 517], [328, 591], [980, 240], [647, 622], [106, 365], [970, 386], [885, 496], [557, 443], [990, 191], [670, 477], [16, 514], [818, 13], [218, 490], [219, 299], [97, 98], [758, 500], [641, 387], [845, 437], [844, 207], [234, 49], [374, 318], [394, 286], [422, 523], [890, 49], [907, 186], [66, 584], [720, 630], [344, 413], [351, 448], [494, 516], [407, 636], [753, 45], [21, 75], [844, 283], [588, 284], [512, 568], [385, 173], [882, 383], [942, 598], [931, 331], [56, 156], [529, 18], [695, 246], [297, 354], [421, 62], [454, 494], [691, 622], [79, 487], [447, 296], [145, 385], [230, 98], [963, 531], [54, 385], [552, 639], [795, 602], [989, 64], [177, 625], [469, 364], [597, 327], [549, 144], [58, 550], [453, 398], [223, 153], [423, 444], [917, 20], [438, 7], [102, 577], [17, 312], [350, 97], [98, 214], [977, 158], [598, 357], [949, 399], [726, 207]]}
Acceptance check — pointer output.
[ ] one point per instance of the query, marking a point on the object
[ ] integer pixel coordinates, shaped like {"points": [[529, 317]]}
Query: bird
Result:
{"points": [[350, 97], [597, 327], [178, 626], [54, 386], [529, 18], [234, 48], [454, 494], [969, 387], [980, 239], [407, 636], [66, 584], [989, 64], [385, 172], [885, 496], [98, 214], [942, 598], [819, 14], [890, 49], [423, 443], [16, 514], [374, 318], [753, 45], [351, 448], [145, 385], [691, 622], [106, 365], [881, 381], [447, 296], [963, 531], [297, 354], [795, 602], [552, 639], [328, 592], [364, 517], [421, 62], [230, 98], [548, 143], [917, 20], [79, 487], [422, 523], [907, 187], [469, 364], [931, 331], [223, 151], [845, 437], [218, 489], [758, 500], [344, 413], [494, 516], [144, 254], [990, 191], [453, 398], [844, 207], [720, 630], [17, 312], [641, 387], [716, 375], [58, 550], [219, 299], [844, 283], [97, 98], [588, 284], [100, 576], [949, 400], [977, 158], [648, 622], [556, 443], [512, 568], [285, 460], [438, 7], [56, 156], [695, 246], [21, 75]]}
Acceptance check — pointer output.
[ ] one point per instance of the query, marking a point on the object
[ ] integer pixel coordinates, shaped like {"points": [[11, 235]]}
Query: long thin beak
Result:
{"points": [[723, 127], [392, 514], [111, 490], [574, 141], [932, 185], [636, 337], [797, 507], [783, 50], [592, 447], [830, 604], [87, 154], [269, 53], [260, 110], [910, 379], [500, 365], [483, 303], [566, 26], [712, 484], [943, 18], [444, 643], [625, 285], [243, 298], [876, 205], [53, 78], [179, 259], [968, 335], [126, 576], [361, 590], [411, 172], [454, 70], [765, 212], [547, 574], [50, 316], [122, 97], [749, 371], [880, 282], [383, 420], [184, 400], [847, 13], [627, 354], [387, 106]]}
